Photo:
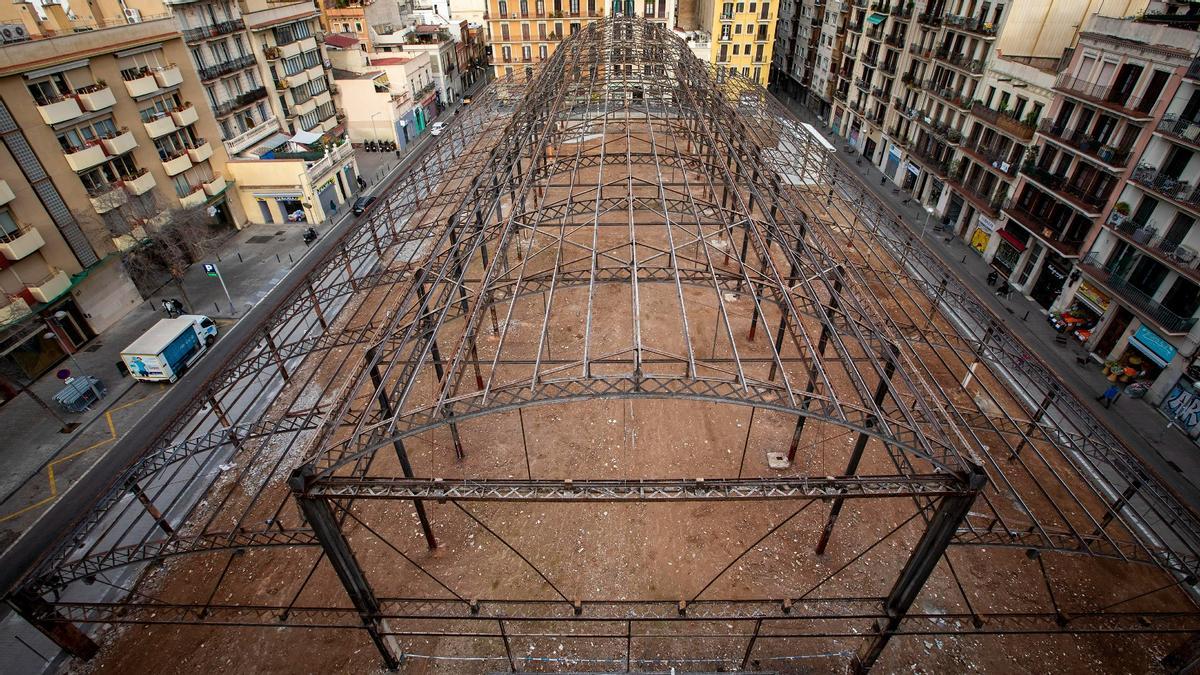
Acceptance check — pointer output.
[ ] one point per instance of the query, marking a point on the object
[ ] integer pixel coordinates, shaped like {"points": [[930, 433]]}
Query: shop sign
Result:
{"points": [[979, 240], [1152, 345], [914, 169], [894, 152], [986, 223], [1092, 296]]}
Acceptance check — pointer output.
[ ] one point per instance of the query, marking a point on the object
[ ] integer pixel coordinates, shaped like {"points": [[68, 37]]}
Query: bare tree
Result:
{"points": [[160, 244]]}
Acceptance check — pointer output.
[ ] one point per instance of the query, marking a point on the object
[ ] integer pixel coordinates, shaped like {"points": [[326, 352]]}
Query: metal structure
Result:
{"points": [[630, 226]]}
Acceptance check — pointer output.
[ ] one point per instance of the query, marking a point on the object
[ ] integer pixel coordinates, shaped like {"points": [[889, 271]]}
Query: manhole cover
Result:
{"points": [[93, 348], [260, 239]]}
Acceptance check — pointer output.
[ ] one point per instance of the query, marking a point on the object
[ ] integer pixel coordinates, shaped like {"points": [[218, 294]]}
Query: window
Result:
{"points": [[727, 11], [503, 8], [741, 7], [574, 5], [758, 53], [9, 229], [724, 54], [49, 89], [543, 52], [524, 31], [757, 73], [752, 5], [357, 26], [725, 32], [649, 7], [504, 32], [526, 53], [736, 29], [524, 7], [766, 10], [506, 53]]}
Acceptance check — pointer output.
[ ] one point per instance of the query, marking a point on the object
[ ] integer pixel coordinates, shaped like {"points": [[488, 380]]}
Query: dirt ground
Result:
{"points": [[669, 552]]}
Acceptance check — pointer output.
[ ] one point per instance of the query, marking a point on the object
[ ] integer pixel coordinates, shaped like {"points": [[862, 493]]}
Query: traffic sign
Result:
{"points": [[211, 270], [63, 374]]}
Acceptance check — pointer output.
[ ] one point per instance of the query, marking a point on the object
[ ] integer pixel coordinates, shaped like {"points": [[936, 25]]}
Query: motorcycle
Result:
{"points": [[310, 235]]}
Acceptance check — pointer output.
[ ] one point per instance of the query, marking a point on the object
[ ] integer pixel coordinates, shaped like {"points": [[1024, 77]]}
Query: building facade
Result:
{"points": [[104, 130], [1120, 149], [268, 80]]}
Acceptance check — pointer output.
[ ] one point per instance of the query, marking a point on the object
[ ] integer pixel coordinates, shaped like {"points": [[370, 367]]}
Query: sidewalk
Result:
{"points": [[1138, 424]]}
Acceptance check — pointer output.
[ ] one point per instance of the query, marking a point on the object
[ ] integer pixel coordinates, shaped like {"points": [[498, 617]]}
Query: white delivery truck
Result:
{"points": [[167, 350]]}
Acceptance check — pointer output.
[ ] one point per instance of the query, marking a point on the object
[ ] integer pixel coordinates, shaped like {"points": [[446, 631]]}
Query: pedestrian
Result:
{"points": [[882, 180], [1003, 291], [332, 207], [1110, 395], [992, 277], [362, 184]]}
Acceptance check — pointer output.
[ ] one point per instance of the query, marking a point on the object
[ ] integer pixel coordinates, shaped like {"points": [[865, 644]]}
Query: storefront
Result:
{"points": [[911, 173], [1081, 317], [893, 161], [1050, 280], [1008, 252], [981, 236], [1143, 359]]}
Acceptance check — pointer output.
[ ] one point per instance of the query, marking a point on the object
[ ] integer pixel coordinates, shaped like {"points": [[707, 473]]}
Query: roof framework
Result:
{"points": [[628, 225]]}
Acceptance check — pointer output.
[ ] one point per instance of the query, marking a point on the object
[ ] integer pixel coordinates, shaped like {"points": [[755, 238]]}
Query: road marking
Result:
{"points": [[53, 482]]}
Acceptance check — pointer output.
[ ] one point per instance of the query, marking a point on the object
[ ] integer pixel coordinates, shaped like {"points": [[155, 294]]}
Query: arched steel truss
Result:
{"points": [[715, 192]]}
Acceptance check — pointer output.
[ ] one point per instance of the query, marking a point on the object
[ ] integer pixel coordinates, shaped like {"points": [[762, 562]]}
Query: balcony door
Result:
{"points": [[1176, 162], [1126, 82]]}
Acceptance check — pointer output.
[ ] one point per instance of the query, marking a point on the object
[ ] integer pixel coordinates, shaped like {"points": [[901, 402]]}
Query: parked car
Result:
{"points": [[362, 203], [437, 128]]}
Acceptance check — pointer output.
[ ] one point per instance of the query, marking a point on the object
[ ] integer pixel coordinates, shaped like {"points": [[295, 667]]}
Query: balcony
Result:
{"points": [[1090, 204], [168, 76], [50, 287], [959, 101], [1108, 95], [1181, 129], [919, 51], [225, 67], [1037, 226], [1112, 157], [1181, 192], [139, 184], [185, 115], [1193, 70], [200, 152], [142, 84], [996, 159], [929, 19], [971, 66], [177, 164], [12, 309], [22, 245], [1004, 121], [215, 30], [1139, 301], [251, 136], [982, 199], [1184, 259], [939, 129], [108, 197], [90, 155], [96, 97], [215, 186], [330, 161], [120, 143], [160, 126], [6, 193], [246, 98], [56, 112], [970, 25], [196, 197]]}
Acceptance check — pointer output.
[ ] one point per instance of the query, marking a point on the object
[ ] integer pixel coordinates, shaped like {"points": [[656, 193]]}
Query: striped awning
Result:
{"points": [[876, 19]]}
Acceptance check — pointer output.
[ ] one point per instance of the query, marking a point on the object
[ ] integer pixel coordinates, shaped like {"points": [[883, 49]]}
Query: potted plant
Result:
{"points": [[1122, 208]]}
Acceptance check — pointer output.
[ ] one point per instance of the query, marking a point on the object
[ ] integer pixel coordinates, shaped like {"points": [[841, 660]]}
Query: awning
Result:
{"points": [[278, 195], [273, 141], [876, 19], [1016, 243], [305, 137], [1152, 345]]}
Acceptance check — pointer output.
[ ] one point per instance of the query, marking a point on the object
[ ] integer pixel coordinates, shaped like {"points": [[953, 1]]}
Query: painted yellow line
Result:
{"points": [[112, 431]]}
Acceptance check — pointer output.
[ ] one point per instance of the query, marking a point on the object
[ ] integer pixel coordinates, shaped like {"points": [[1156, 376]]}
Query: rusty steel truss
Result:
{"points": [[715, 252]]}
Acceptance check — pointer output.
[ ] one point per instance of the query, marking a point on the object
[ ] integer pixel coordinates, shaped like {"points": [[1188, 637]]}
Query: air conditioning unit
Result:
{"points": [[133, 15], [13, 32]]}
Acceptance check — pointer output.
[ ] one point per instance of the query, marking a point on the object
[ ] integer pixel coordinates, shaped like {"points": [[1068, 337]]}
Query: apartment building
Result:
{"points": [[100, 128], [268, 81], [1119, 162], [524, 33], [386, 97], [743, 37], [795, 58]]}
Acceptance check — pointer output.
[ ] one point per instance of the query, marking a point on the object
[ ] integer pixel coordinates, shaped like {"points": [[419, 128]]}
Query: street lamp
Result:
{"points": [[928, 215], [375, 129], [58, 319]]}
